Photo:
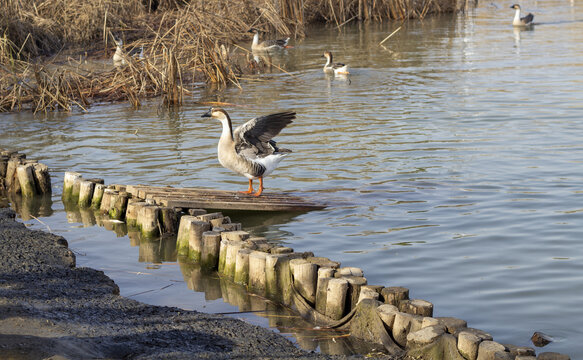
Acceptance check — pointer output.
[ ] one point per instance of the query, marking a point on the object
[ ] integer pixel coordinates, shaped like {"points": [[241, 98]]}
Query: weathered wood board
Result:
{"points": [[218, 199]]}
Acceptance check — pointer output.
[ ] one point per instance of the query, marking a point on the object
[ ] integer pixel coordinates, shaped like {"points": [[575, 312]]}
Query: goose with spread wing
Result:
{"points": [[521, 21], [266, 45], [249, 149]]}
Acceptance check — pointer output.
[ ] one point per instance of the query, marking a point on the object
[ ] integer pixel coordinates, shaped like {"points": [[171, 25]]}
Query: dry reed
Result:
{"points": [[185, 42]]}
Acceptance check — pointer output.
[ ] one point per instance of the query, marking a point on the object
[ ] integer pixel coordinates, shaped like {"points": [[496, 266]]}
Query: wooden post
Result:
{"points": [[222, 255], [231, 258], [148, 221], [208, 217], [336, 298], [131, 211], [118, 208], [242, 267], [257, 272], [235, 235], [69, 180], [278, 283], [281, 250], [416, 307], [11, 181], [369, 292], [42, 178], [354, 285], [183, 236], [305, 278], [76, 189], [106, 201], [97, 196], [217, 222], [394, 294], [25, 175], [211, 242], [169, 220], [195, 244], [86, 193], [324, 275], [3, 165]]}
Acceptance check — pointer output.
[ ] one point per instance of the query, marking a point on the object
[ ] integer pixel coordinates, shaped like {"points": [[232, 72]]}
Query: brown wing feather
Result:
{"points": [[254, 136]]}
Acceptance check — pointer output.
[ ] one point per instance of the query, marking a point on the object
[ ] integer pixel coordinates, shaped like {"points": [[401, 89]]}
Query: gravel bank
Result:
{"points": [[51, 309]]}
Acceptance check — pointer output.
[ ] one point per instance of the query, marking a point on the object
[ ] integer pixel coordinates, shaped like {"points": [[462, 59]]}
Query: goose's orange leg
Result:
{"points": [[250, 190], [260, 190]]}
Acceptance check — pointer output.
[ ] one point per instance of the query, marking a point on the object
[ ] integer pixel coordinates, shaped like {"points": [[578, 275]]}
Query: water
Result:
{"points": [[452, 156]]}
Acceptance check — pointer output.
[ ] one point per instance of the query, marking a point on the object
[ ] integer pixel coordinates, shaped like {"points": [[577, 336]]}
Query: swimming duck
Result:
{"points": [[118, 56], [266, 45], [249, 150], [336, 68], [524, 21]]}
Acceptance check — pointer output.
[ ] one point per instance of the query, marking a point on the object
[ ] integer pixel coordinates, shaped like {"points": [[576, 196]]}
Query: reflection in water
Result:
{"points": [[284, 319], [28, 207], [161, 250]]}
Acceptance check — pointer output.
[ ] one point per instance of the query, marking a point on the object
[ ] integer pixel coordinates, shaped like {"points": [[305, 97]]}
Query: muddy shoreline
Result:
{"points": [[49, 308]]}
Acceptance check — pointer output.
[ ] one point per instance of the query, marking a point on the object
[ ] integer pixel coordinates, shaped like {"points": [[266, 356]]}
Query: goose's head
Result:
{"points": [[515, 6], [217, 113], [327, 55], [119, 42], [253, 31]]}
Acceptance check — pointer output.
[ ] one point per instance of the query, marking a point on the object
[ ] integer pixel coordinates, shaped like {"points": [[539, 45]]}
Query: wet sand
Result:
{"points": [[49, 308]]}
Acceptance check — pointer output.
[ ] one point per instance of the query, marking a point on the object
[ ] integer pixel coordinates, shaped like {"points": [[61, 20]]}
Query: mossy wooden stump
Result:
{"points": [[317, 287], [19, 175]]}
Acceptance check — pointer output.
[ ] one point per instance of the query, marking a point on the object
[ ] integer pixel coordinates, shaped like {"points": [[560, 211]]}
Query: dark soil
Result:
{"points": [[51, 309]]}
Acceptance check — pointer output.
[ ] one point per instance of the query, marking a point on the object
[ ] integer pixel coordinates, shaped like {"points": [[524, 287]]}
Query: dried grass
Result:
{"points": [[185, 42]]}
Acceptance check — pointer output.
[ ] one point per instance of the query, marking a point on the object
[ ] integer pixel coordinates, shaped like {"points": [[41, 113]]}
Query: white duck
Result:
{"points": [[266, 45], [524, 21], [249, 150], [336, 68]]}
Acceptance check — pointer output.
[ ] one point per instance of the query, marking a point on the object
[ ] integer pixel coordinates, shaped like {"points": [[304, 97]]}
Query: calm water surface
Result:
{"points": [[452, 155]]}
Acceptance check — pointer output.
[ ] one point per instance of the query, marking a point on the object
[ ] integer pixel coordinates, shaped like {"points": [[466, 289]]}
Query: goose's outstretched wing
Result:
{"points": [[253, 139], [528, 18]]}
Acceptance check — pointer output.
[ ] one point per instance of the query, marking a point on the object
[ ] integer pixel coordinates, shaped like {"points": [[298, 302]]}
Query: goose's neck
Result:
{"points": [[328, 61], [256, 39], [517, 16], [227, 129]]}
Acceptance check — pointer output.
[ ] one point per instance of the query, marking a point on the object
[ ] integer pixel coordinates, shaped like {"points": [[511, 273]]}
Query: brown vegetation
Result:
{"points": [[185, 41]]}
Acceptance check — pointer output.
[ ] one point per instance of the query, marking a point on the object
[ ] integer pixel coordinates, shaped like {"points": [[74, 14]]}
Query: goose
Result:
{"points": [[266, 45], [524, 21], [118, 56], [138, 52], [336, 68], [249, 150]]}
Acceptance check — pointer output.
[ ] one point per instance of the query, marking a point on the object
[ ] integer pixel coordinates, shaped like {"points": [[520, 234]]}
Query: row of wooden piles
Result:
{"points": [[317, 287], [23, 176]]}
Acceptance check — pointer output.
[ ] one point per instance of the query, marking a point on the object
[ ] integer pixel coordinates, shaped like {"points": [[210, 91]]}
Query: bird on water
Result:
{"points": [[521, 21], [266, 45], [249, 149], [336, 68]]}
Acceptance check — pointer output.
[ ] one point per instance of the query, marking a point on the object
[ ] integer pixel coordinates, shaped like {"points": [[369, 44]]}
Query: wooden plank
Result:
{"points": [[144, 192], [220, 199], [231, 205]]}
